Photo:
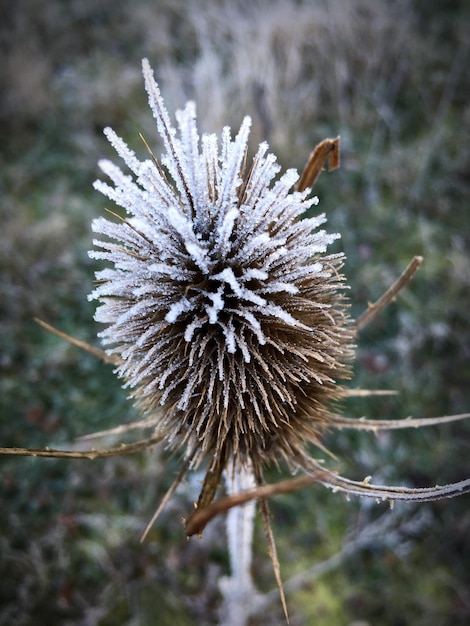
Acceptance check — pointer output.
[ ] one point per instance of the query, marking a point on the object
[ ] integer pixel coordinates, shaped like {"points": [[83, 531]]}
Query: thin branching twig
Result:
{"points": [[389, 295], [124, 448]]}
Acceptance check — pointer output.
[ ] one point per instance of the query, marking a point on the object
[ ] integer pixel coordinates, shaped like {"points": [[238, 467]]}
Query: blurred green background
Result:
{"points": [[392, 79]]}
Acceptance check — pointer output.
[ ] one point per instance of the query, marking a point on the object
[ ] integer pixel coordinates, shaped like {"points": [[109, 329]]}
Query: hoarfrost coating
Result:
{"points": [[221, 302]]}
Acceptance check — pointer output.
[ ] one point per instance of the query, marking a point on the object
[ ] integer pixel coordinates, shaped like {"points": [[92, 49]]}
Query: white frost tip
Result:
{"points": [[177, 309], [217, 305]]}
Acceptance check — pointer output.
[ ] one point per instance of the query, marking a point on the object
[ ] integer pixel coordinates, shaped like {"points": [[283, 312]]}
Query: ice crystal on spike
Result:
{"points": [[222, 304]]}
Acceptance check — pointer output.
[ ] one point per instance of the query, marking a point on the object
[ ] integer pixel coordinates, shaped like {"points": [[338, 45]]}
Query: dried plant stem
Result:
{"points": [[201, 517], [238, 590], [375, 425], [124, 448], [389, 295], [268, 531], [101, 354]]}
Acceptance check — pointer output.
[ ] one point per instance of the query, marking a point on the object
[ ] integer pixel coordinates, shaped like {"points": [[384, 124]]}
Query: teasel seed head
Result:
{"points": [[222, 303]]}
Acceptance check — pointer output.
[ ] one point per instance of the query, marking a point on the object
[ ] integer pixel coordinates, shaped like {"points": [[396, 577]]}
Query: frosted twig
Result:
{"points": [[238, 590], [201, 517], [365, 393], [408, 422]]}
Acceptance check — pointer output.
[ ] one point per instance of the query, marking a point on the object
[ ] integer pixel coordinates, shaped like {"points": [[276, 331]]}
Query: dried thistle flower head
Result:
{"points": [[225, 310]]}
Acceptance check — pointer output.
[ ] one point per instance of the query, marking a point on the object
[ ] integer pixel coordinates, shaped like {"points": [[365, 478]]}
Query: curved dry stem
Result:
{"points": [[124, 448], [389, 295], [200, 517], [365, 424], [329, 479], [101, 354], [396, 493]]}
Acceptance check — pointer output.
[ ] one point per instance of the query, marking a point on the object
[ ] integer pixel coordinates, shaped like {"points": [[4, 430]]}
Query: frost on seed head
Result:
{"points": [[220, 297]]}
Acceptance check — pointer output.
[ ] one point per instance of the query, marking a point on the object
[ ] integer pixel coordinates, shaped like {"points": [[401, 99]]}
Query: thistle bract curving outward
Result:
{"points": [[222, 304]]}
